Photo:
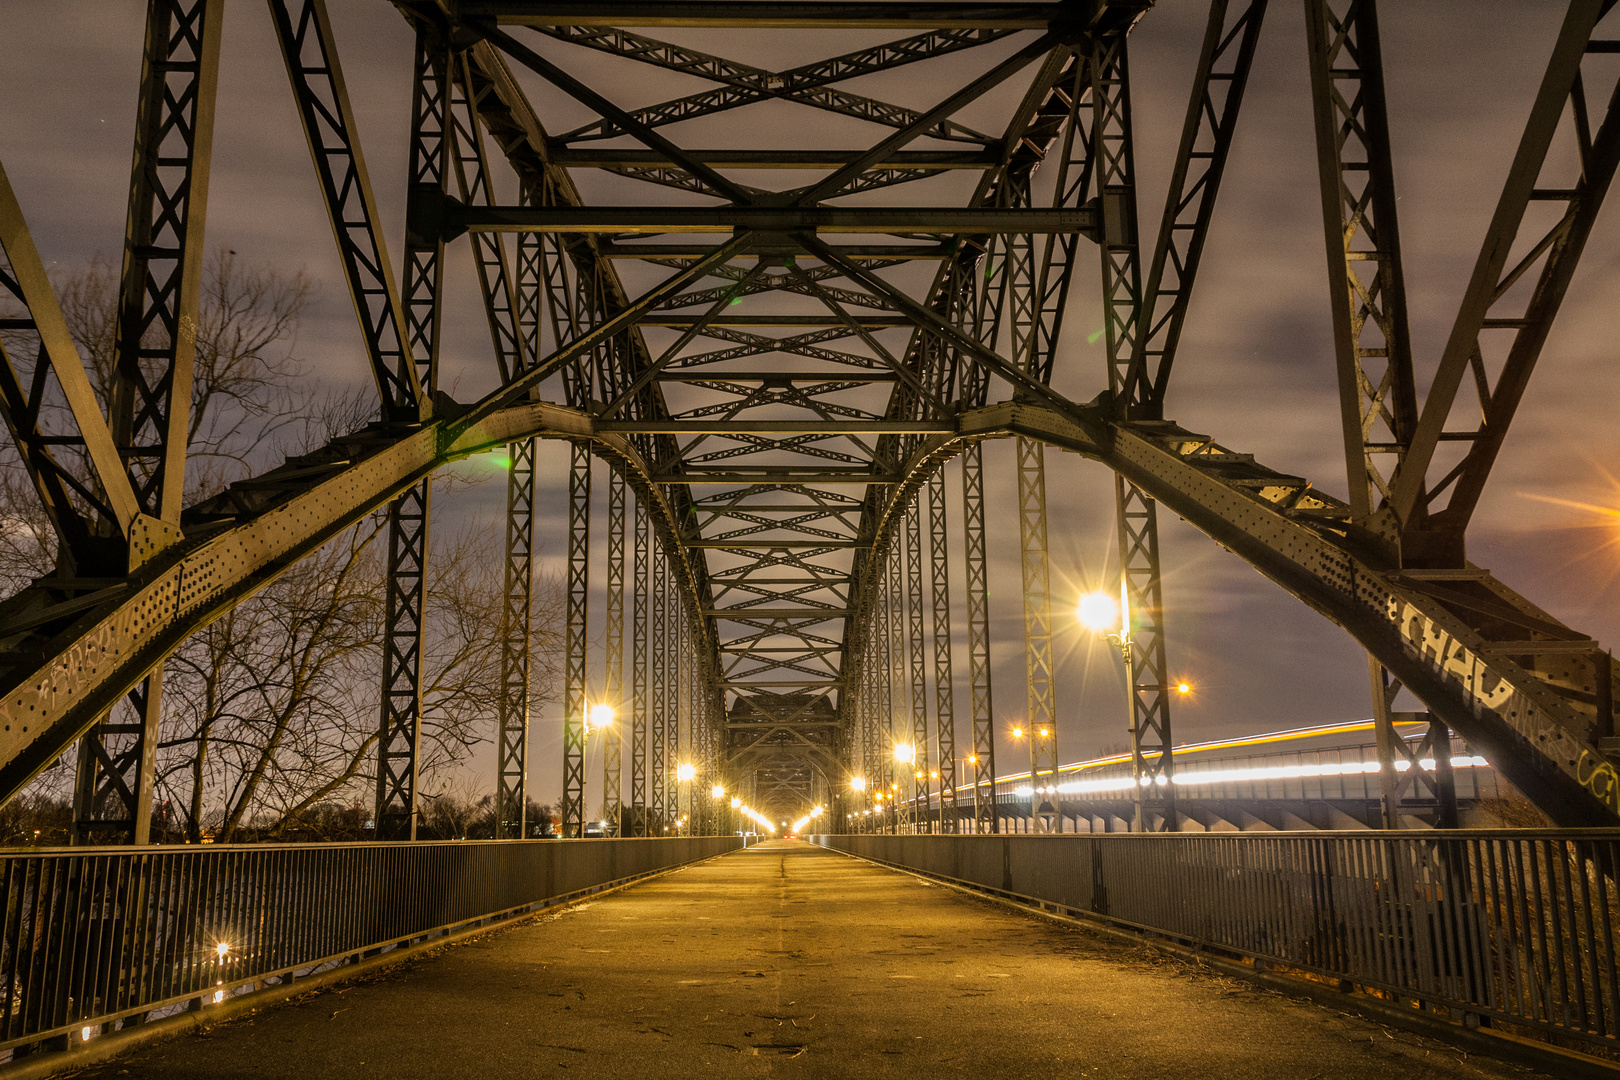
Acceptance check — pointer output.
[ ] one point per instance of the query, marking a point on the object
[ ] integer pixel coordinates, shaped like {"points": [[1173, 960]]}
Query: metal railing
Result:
{"points": [[92, 936], [1516, 925]]}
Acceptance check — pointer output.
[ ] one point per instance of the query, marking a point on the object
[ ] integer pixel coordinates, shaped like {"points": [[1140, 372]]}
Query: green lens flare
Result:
{"points": [[1092, 340]]}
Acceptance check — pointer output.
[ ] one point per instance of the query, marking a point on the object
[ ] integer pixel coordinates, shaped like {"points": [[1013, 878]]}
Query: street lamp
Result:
{"points": [[598, 718], [1101, 614]]}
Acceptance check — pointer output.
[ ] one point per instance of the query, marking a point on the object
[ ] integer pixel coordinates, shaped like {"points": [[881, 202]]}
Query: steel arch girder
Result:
{"points": [[87, 667], [1534, 735]]}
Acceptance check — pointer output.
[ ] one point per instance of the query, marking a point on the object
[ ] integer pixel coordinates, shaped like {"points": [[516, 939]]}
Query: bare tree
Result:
{"points": [[271, 711], [243, 376], [276, 705]]}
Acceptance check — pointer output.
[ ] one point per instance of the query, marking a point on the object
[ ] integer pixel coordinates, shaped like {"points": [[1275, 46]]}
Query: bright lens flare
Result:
{"points": [[718, 791], [598, 717], [1184, 687], [1098, 612], [905, 753], [1606, 511], [685, 772], [221, 949], [736, 803], [858, 783]]}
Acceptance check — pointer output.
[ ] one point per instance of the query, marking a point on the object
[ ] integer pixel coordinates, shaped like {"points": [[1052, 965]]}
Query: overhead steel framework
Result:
{"points": [[774, 356]]}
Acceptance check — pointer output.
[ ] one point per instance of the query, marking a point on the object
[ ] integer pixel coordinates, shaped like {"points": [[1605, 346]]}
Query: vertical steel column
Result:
{"points": [[431, 143], [1039, 668], [978, 598], [898, 810], [149, 412], [677, 710], [639, 659], [1152, 764], [944, 680], [660, 677], [917, 664], [672, 683], [1145, 662], [1372, 347], [517, 639], [613, 737], [1401, 774], [400, 732], [579, 587], [117, 766]]}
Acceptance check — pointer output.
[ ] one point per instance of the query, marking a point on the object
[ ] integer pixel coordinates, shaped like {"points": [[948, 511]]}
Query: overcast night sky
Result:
{"points": [[1255, 365]]}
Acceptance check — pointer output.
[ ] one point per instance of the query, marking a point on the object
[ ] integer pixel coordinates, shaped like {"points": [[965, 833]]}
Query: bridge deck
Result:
{"points": [[788, 960]]}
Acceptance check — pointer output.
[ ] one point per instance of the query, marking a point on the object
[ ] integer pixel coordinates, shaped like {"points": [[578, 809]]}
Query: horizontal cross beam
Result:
{"points": [[784, 14], [725, 219], [812, 614], [813, 425], [609, 249], [727, 375], [772, 545], [774, 475], [617, 158]]}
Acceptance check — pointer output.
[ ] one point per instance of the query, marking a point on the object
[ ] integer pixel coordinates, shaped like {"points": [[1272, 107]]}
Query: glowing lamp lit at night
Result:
{"points": [[598, 717], [718, 791], [1098, 612], [1184, 687], [858, 783], [685, 772], [905, 753]]}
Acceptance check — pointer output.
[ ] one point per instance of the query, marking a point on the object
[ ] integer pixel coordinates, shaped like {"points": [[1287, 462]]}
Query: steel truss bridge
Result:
{"points": [[779, 551]]}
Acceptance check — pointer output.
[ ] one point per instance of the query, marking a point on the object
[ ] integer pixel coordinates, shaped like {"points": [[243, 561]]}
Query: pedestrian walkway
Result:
{"points": [[786, 960]]}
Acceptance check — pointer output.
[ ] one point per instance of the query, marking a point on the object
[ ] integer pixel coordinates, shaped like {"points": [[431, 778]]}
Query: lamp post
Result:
{"points": [[1101, 614], [905, 755], [685, 773], [599, 717]]}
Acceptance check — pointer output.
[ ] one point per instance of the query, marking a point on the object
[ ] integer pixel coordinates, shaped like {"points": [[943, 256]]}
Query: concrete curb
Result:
{"points": [[114, 1043], [1553, 1060]]}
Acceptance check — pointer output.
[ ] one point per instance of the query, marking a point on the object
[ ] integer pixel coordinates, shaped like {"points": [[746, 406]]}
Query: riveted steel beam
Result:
{"points": [[726, 219], [779, 14]]}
